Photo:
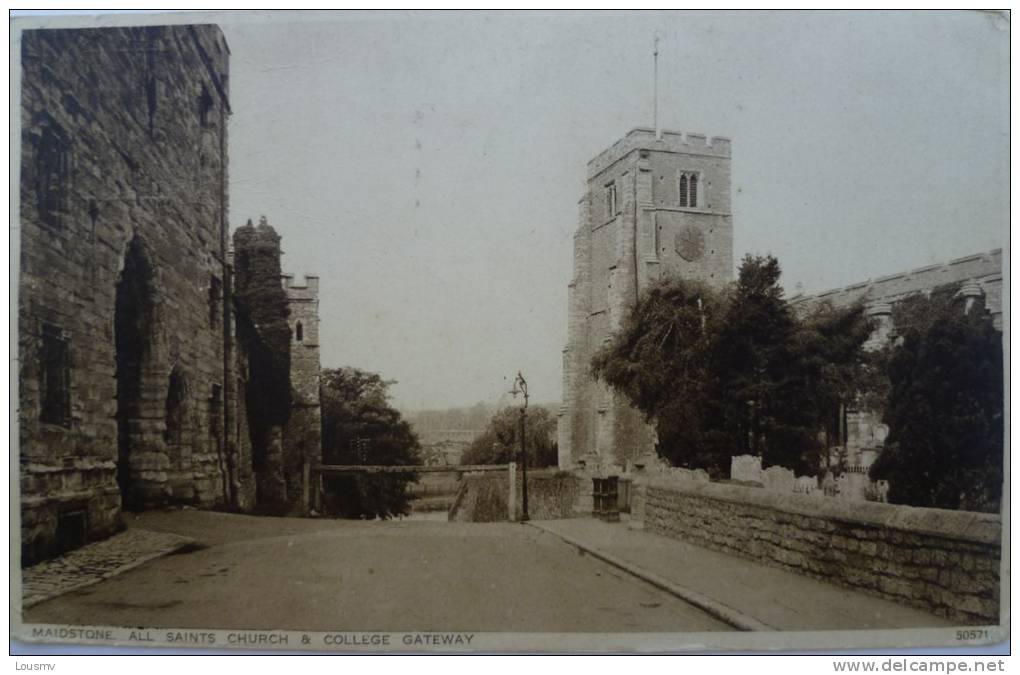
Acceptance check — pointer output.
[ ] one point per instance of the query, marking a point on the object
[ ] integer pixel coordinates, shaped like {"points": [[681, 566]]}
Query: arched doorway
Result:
{"points": [[134, 331]]}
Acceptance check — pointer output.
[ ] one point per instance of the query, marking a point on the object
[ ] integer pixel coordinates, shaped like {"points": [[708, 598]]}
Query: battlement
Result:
{"points": [[306, 289], [985, 269], [643, 138]]}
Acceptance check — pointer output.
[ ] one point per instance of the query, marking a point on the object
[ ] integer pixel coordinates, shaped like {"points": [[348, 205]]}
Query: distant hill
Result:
{"points": [[472, 418], [469, 418], [445, 433]]}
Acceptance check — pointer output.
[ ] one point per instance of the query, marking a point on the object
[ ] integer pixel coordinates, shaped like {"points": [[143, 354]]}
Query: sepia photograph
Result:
{"points": [[510, 331]]}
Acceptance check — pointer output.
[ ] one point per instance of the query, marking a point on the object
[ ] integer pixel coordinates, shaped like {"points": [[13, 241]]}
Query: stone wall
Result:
{"points": [[302, 435], [123, 260], [483, 497], [946, 562]]}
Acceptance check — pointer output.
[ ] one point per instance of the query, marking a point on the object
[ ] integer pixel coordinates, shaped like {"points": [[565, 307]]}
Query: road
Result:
{"points": [[328, 575]]}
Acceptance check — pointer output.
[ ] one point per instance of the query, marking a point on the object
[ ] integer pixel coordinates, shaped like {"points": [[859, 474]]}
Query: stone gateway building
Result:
{"points": [[128, 371], [656, 203]]}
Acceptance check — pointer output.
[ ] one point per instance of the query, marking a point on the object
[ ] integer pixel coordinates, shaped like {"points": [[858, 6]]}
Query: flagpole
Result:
{"points": [[655, 97]]}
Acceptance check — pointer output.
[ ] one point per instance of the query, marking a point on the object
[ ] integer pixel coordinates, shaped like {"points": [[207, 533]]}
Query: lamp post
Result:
{"points": [[521, 387]]}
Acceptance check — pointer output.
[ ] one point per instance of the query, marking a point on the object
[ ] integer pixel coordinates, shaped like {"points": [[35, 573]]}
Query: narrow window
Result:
{"points": [[692, 197], [215, 294], [611, 200], [205, 104], [683, 190], [215, 412], [55, 380], [52, 175], [152, 98], [299, 332]]}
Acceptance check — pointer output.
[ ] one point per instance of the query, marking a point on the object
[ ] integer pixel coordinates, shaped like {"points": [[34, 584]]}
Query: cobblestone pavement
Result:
{"points": [[95, 562]]}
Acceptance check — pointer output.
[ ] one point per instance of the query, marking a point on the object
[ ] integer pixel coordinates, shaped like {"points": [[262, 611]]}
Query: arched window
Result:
{"points": [[687, 190], [299, 332], [52, 173], [205, 106], [611, 205], [55, 377]]}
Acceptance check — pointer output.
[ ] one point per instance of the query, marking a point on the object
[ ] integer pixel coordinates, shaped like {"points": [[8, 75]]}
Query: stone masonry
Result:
{"points": [[302, 435], [946, 562], [121, 295], [653, 206], [979, 278], [130, 375]]}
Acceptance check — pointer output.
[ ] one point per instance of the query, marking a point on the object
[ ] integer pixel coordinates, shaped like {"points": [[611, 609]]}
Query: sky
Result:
{"points": [[427, 167]]}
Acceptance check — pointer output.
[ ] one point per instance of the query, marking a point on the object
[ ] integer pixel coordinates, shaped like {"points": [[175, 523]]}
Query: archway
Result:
{"points": [[134, 331]]}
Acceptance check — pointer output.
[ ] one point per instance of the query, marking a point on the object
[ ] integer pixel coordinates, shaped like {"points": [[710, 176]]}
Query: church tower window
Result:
{"points": [[611, 200], [687, 190]]}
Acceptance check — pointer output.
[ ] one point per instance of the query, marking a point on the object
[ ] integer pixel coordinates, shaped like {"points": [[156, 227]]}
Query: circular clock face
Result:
{"points": [[690, 243]]}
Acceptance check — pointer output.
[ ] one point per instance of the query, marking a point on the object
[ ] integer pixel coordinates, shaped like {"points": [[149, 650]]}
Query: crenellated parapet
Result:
{"points": [[668, 141]]}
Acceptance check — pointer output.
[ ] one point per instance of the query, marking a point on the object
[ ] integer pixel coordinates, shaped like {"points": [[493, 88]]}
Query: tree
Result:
{"points": [[500, 442], [835, 371], [360, 427], [660, 360], [734, 371], [945, 407]]}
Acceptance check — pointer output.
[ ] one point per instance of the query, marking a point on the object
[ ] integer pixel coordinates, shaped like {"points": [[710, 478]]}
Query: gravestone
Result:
{"points": [[778, 479], [746, 468], [805, 485]]}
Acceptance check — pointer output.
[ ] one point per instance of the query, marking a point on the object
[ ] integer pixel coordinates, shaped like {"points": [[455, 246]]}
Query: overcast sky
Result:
{"points": [[428, 167]]}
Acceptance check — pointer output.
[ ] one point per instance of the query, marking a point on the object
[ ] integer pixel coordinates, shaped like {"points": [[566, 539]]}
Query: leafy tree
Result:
{"points": [[945, 410], [660, 360], [360, 427], [832, 371], [500, 442], [735, 371]]}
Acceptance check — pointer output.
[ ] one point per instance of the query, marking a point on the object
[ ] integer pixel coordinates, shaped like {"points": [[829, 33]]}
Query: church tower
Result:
{"points": [[655, 204]]}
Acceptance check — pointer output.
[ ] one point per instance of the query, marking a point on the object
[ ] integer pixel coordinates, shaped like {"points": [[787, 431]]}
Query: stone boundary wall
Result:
{"points": [[482, 497], [945, 562]]}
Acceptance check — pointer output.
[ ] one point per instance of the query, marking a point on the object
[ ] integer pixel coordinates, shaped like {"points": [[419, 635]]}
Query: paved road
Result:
{"points": [[275, 573]]}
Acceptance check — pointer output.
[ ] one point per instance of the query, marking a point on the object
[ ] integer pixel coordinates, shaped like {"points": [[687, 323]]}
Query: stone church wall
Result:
{"points": [[946, 562], [631, 230], [978, 276], [124, 167]]}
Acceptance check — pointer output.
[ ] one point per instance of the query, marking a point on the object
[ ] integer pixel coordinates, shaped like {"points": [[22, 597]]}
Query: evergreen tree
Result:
{"points": [[722, 373], [945, 407]]}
